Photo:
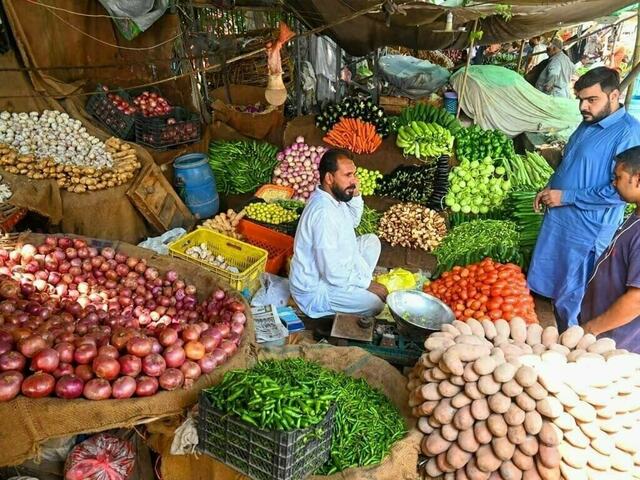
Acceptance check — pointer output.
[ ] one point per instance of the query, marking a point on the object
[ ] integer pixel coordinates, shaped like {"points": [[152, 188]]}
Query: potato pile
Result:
{"points": [[75, 178], [512, 401]]}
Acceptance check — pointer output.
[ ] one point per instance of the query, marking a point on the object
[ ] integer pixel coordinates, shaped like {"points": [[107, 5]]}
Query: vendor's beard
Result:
{"points": [[342, 195], [604, 113]]}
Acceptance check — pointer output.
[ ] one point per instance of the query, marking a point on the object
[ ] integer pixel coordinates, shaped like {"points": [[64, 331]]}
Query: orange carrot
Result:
{"points": [[354, 134]]}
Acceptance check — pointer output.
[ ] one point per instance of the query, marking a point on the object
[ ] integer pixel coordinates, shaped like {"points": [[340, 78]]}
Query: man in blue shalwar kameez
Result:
{"points": [[583, 208]]}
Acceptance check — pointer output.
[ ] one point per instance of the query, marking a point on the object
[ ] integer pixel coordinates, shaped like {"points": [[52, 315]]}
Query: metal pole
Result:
{"points": [[520, 57], [338, 68], [298, 72], [466, 70], [634, 62]]}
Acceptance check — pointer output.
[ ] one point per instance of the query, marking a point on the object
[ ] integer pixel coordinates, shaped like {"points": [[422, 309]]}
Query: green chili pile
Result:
{"points": [[295, 393], [242, 166], [473, 241]]}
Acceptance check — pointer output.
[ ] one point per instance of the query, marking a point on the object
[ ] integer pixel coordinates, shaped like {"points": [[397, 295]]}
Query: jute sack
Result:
{"points": [[400, 464], [254, 125], [28, 422]]}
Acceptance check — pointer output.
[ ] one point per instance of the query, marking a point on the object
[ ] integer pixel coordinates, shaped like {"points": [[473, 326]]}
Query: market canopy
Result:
{"points": [[414, 22]]}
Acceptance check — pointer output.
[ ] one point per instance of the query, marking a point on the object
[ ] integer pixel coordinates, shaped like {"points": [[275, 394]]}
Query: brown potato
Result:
{"points": [[549, 456], [467, 440], [480, 409], [516, 434], [460, 400], [463, 419], [548, 434], [499, 403], [496, 425], [503, 448], [487, 385], [512, 388], [435, 444], [549, 336], [525, 402], [457, 457], [514, 416], [482, 433], [505, 372], [449, 432], [530, 446], [509, 471], [486, 459], [532, 422]]}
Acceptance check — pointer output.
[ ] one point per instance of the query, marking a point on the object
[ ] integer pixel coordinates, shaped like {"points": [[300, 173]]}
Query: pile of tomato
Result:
{"points": [[485, 290]]}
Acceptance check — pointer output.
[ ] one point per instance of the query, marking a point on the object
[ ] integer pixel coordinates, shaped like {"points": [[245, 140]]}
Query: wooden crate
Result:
{"points": [[394, 105], [157, 201]]}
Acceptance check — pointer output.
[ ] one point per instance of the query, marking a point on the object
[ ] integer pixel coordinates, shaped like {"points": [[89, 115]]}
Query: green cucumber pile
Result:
{"points": [[295, 393], [426, 113], [528, 220], [473, 241], [475, 143], [424, 140], [352, 107], [242, 166]]}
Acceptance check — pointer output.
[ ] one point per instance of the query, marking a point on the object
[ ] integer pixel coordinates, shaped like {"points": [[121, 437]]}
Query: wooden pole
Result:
{"points": [[635, 61], [520, 57], [466, 70]]}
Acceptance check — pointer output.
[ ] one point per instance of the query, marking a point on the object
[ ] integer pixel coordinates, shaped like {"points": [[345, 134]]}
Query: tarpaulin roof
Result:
{"points": [[415, 28]]}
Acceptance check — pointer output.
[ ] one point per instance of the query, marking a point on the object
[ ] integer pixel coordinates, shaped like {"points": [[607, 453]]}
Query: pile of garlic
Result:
{"points": [[54, 135]]}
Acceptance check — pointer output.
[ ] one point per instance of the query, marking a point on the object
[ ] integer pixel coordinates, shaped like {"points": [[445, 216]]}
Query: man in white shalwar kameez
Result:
{"points": [[332, 269]]}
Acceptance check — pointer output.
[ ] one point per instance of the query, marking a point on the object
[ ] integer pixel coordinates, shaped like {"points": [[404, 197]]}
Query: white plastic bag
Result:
{"points": [[159, 244], [274, 290]]}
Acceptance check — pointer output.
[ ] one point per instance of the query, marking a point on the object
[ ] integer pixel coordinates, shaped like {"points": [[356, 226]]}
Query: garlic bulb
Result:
{"points": [[55, 135]]}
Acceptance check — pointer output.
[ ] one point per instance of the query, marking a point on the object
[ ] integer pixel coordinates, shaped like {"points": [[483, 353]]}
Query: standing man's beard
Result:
{"points": [[604, 113]]}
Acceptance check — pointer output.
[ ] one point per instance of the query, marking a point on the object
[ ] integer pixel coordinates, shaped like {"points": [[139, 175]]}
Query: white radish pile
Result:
{"points": [[509, 401], [298, 168]]}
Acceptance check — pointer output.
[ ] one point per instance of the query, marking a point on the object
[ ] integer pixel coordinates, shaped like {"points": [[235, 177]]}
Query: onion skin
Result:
{"points": [[174, 356], [191, 370], [153, 365], [69, 386], [85, 353], [46, 360], [31, 345], [123, 387], [207, 363], [65, 351], [138, 346], [10, 382], [146, 386], [12, 361], [38, 385], [97, 389], [85, 372], [194, 350], [106, 367], [130, 365], [171, 379]]}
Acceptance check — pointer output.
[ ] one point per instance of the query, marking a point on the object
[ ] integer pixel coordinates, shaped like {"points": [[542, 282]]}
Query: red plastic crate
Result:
{"points": [[279, 245]]}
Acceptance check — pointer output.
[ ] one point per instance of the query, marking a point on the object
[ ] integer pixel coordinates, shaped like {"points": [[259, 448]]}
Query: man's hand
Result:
{"points": [[379, 289], [551, 198], [537, 203]]}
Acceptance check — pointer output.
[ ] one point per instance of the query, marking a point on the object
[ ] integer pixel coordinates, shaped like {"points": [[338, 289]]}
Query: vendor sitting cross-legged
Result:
{"points": [[332, 269]]}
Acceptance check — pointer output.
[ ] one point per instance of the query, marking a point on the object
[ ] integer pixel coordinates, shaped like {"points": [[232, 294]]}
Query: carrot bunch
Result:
{"points": [[354, 134]]}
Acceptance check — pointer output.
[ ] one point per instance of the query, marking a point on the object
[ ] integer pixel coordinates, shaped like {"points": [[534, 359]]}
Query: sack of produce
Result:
{"points": [[101, 457], [254, 124]]}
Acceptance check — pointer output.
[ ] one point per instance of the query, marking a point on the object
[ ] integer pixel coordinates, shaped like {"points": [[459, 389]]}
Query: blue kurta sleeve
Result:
{"points": [[595, 198]]}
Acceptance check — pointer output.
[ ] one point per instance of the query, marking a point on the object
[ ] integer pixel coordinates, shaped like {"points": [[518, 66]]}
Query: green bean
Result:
{"points": [[470, 242], [368, 222]]}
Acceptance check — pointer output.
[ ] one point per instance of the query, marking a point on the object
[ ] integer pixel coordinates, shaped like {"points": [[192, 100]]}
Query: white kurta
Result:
{"points": [[331, 268]]}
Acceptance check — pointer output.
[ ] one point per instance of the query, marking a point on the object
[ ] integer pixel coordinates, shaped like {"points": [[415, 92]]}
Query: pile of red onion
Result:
{"points": [[298, 168], [150, 104], [78, 322], [120, 103]]}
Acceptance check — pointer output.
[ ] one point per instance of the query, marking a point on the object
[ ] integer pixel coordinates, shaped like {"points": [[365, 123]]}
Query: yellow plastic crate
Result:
{"points": [[249, 260]]}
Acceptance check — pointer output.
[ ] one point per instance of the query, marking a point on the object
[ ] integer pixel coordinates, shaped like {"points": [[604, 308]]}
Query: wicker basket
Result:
{"points": [[252, 71]]}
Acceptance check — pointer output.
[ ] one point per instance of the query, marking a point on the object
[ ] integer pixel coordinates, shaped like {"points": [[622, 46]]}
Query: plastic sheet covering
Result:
{"points": [[496, 97], [412, 77], [101, 457]]}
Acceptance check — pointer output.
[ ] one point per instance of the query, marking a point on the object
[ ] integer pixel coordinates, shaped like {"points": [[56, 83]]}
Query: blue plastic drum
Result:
{"points": [[196, 184], [451, 102]]}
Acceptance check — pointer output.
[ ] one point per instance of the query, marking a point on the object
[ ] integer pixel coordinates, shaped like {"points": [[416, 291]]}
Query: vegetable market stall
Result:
{"points": [[32, 421], [401, 462]]}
